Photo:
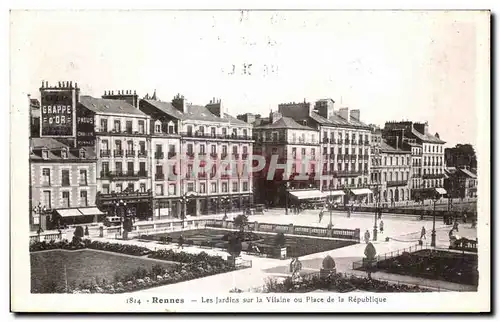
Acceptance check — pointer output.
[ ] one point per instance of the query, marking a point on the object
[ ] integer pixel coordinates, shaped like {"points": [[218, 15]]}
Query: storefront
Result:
{"points": [[133, 204]]}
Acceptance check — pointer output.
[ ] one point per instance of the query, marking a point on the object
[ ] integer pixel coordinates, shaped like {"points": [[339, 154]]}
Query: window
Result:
{"points": [[118, 167], [65, 199], [128, 126], [235, 149], [245, 150], [303, 151], [130, 146], [46, 177], [130, 168], [224, 150], [104, 125], [202, 187], [105, 167], [141, 127], [245, 186], [294, 152], [235, 186], [172, 189], [47, 202], [117, 126], [142, 187], [189, 172], [142, 168], [213, 149], [201, 130], [105, 189], [171, 128], [82, 154], [142, 147], [325, 150], [45, 154], [118, 145], [224, 187], [64, 154], [190, 130], [131, 187], [157, 128], [202, 149], [119, 187], [83, 177], [224, 131], [213, 187], [190, 186], [245, 132], [190, 149], [313, 152], [159, 190], [235, 132], [83, 198], [212, 131]]}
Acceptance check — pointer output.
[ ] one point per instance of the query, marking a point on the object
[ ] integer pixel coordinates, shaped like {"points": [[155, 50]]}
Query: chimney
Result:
{"points": [[355, 114], [397, 142], [216, 107], [325, 108], [275, 116], [179, 103], [345, 114]]}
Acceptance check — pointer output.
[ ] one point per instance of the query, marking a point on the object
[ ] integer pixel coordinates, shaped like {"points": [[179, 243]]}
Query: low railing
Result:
{"points": [[388, 255], [46, 237], [404, 211]]}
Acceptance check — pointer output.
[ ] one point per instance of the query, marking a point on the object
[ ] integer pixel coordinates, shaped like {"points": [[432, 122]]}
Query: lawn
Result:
{"points": [[49, 268], [439, 265], [296, 246]]}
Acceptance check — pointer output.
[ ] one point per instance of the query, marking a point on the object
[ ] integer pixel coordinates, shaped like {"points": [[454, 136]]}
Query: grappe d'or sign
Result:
{"points": [[57, 115]]}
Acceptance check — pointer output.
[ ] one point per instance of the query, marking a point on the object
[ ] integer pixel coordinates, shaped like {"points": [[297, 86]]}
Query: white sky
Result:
{"points": [[390, 65]]}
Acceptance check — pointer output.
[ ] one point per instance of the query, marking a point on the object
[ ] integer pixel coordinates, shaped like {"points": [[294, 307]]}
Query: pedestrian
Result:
{"points": [[455, 226], [422, 233], [465, 218], [379, 214], [367, 236], [381, 226], [320, 216], [473, 223]]}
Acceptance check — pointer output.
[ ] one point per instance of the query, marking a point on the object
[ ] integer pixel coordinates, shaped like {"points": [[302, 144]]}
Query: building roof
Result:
{"points": [[167, 108], [427, 137], [337, 120], [201, 113], [55, 147], [285, 123], [109, 106], [234, 121], [386, 148], [468, 173]]}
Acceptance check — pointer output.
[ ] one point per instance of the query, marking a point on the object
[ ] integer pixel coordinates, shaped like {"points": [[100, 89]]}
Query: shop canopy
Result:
{"points": [[334, 193], [363, 191], [441, 191], [69, 212], [307, 194], [91, 211]]}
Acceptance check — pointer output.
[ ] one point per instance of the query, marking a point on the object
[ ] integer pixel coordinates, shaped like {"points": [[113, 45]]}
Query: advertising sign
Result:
{"points": [[57, 114], [85, 129]]}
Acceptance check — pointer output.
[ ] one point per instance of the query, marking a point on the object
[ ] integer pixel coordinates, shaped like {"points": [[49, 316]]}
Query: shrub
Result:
{"points": [[279, 240], [240, 222]]}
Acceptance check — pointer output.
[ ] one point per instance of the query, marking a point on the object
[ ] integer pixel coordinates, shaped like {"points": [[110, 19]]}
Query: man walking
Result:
{"points": [[367, 236], [320, 215], [381, 226], [422, 233]]}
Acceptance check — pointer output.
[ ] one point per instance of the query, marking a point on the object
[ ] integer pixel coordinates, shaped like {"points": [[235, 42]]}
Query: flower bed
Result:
{"points": [[337, 283], [190, 267], [440, 265]]}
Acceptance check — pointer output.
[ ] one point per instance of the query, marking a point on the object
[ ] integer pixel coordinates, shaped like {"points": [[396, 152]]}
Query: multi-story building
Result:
{"points": [[200, 141], [460, 183], [63, 182], [396, 173], [344, 144], [461, 156], [291, 153], [376, 162], [432, 148], [122, 148]]}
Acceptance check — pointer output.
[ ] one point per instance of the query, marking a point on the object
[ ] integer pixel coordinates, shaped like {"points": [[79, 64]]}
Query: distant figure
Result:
{"points": [[320, 216], [423, 233], [367, 236], [379, 214], [474, 222], [455, 226], [465, 218], [381, 226]]}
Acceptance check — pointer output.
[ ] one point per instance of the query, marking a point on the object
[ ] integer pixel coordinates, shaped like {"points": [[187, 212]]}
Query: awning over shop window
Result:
{"points": [[307, 194], [91, 211], [441, 191], [69, 212], [363, 191], [334, 193]]}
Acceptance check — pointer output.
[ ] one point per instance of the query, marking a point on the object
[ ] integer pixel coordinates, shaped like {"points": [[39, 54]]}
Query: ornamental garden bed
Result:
{"points": [[63, 267], [337, 283], [296, 246], [452, 267]]}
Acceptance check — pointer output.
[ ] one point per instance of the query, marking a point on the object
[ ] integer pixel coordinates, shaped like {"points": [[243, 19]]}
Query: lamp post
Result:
{"points": [[287, 186], [433, 234], [184, 200], [225, 203], [377, 211], [331, 205], [117, 204]]}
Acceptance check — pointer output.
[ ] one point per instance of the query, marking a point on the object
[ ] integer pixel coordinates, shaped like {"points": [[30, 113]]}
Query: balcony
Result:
{"points": [[142, 154], [366, 142], [236, 156], [172, 155], [348, 173], [105, 153], [215, 136], [397, 183], [433, 176], [159, 155], [244, 156], [123, 174], [190, 154], [159, 176], [202, 153], [118, 153], [353, 157], [353, 142], [223, 155], [213, 155], [340, 157], [108, 199], [346, 141], [325, 140], [130, 153]]}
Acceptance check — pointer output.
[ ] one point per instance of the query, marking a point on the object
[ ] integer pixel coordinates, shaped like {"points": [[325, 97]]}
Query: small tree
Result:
{"points": [[78, 235], [370, 254], [241, 221], [280, 240], [234, 246]]}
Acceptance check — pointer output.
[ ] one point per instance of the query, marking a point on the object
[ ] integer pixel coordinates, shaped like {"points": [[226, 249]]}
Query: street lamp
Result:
{"points": [[377, 212], [433, 234], [184, 200], [331, 205], [225, 200], [287, 186]]}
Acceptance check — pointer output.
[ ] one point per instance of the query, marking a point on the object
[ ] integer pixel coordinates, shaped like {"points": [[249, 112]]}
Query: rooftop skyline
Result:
{"points": [[418, 66]]}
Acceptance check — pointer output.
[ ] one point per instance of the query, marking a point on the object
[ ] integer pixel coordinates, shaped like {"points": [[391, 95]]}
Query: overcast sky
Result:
{"points": [[390, 65]]}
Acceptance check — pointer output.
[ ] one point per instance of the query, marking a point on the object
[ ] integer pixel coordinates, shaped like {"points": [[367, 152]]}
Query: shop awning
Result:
{"points": [[69, 212], [334, 193], [363, 191], [91, 211], [307, 194], [441, 191]]}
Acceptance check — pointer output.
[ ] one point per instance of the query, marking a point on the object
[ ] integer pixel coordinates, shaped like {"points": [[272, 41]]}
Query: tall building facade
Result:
{"points": [[122, 145], [194, 147], [395, 174]]}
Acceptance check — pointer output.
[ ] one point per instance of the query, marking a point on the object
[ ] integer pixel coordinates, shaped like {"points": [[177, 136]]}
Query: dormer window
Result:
{"points": [[82, 154], [171, 128], [45, 154], [158, 128], [64, 153]]}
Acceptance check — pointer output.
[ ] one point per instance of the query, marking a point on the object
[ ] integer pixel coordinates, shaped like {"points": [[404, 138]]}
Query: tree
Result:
{"points": [[241, 221], [234, 246], [78, 235], [280, 240]]}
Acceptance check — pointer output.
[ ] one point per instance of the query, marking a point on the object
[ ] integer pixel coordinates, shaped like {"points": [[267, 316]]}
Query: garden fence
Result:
{"points": [[388, 255]]}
